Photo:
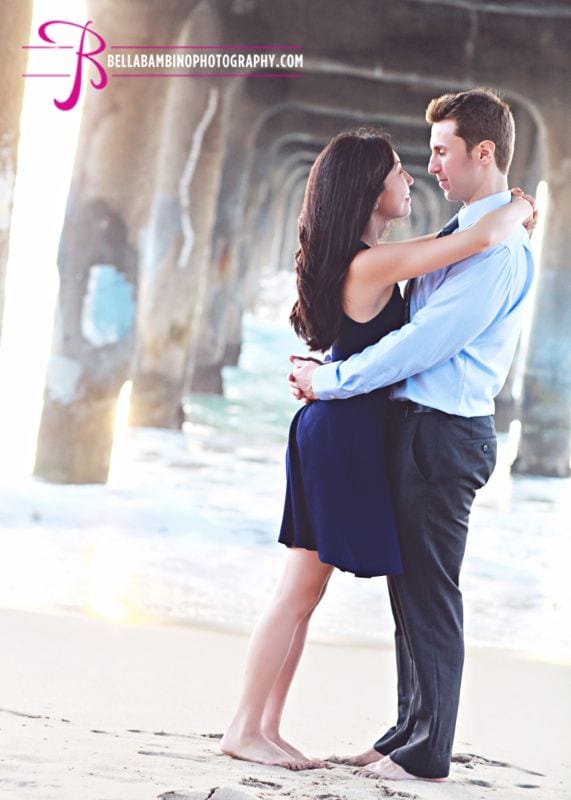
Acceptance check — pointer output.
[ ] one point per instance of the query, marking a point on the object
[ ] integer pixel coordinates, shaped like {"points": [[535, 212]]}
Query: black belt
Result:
{"points": [[406, 407]]}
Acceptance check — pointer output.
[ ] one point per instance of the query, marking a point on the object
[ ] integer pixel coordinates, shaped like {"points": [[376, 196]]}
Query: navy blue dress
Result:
{"points": [[337, 498]]}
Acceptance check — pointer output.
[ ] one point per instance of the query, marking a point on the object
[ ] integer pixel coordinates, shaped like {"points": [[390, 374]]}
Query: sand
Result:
{"points": [[96, 710]]}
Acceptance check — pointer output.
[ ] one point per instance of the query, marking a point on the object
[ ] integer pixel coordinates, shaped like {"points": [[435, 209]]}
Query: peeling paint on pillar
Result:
{"points": [[165, 224], [6, 187], [108, 310], [63, 379], [186, 179], [92, 344]]}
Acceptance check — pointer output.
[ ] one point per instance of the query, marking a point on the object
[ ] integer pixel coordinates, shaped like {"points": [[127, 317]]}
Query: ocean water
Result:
{"points": [[186, 530]]}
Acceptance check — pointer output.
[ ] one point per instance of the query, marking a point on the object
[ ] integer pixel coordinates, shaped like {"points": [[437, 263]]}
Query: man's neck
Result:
{"points": [[493, 184]]}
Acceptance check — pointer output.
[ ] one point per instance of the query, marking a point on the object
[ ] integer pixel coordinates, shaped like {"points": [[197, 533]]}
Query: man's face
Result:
{"points": [[458, 175]]}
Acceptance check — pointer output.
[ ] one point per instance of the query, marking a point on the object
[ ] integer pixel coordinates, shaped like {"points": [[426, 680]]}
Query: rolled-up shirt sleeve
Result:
{"points": [[467, 301]]}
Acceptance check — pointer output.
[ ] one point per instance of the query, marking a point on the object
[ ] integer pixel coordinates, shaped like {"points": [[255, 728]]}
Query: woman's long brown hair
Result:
{"points": [[342, 189]]}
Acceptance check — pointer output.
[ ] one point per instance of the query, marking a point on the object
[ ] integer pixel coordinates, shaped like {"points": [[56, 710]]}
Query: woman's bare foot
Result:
{"points": [[260, 750], [293, 751], [361, 760], [386, 768]]}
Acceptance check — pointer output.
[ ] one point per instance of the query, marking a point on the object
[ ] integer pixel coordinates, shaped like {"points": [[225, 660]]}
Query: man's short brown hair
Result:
{"points": [[479, 114]]}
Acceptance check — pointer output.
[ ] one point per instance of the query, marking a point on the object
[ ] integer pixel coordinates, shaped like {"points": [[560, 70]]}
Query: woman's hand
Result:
{"points": [[530, 223]]}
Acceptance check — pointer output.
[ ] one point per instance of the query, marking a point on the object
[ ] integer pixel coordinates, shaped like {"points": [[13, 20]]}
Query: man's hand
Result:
{"points": [[299, 378]]}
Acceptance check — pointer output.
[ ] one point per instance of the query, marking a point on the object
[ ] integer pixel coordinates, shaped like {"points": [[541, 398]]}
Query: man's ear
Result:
{"points": [[485, 152]]}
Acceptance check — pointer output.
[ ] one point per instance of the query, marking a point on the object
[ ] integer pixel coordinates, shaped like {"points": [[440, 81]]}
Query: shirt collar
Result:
{"points": [[471, 213]]}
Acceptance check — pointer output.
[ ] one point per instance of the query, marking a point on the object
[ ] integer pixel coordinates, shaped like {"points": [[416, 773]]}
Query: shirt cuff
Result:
{"points": [[324, 381]]}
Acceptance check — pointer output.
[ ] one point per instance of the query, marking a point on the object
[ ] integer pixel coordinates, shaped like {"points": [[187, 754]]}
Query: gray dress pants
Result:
{"points": [[437, 463]]}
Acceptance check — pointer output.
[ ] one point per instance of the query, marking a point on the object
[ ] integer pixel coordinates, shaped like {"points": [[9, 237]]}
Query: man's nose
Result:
{"points": [[432, 165]]}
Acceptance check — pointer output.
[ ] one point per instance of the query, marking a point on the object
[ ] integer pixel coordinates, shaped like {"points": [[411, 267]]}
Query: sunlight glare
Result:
{"points": [[111, 567], [45, 159], [542, 201], [120, 456]]}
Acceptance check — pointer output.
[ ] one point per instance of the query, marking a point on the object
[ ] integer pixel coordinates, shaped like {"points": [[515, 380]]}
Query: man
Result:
{"points": [[447, 364]]}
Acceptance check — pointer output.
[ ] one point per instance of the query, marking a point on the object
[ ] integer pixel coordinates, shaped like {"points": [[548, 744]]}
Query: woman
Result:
{"points": [[338, 509]]}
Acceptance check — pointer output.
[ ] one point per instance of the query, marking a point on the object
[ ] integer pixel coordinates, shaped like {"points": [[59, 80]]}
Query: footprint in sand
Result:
{"points": [[168, 754], [22, 714], [470, 760], [328, 797], [260, 784]]}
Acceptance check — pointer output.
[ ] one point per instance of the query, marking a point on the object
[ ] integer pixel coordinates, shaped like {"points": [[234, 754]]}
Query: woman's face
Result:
{"points": [[394, 200]]}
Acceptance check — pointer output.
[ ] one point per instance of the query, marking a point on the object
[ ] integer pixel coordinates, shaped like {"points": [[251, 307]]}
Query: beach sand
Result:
{"points": [[96, 710]]}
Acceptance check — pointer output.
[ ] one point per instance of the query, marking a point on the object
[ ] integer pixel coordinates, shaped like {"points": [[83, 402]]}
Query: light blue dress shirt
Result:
{"points": [[455, 353]]}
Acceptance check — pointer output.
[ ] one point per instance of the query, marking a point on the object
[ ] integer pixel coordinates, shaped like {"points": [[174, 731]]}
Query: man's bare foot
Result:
{"points": [[387, 769], [361, 760], [288, 748], [260, 750]]}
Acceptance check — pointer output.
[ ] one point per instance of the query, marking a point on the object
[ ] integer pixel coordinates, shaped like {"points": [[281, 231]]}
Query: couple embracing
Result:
{"points": [[396, 433]]}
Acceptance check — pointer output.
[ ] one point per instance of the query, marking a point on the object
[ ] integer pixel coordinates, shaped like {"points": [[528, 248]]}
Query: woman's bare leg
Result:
{"points": [[299, 591], [276, 701]]}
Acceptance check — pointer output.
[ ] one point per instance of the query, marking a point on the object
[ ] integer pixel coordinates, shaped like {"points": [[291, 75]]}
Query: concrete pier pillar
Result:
{"points": [[98, 258], [179, 249], [210, 352], [15, 20], [545, 446]]}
